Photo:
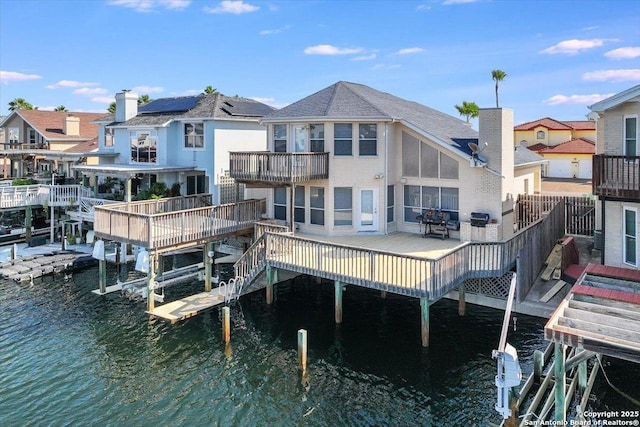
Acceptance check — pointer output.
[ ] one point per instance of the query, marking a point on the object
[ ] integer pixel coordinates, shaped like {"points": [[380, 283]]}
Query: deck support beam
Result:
{"points": [[151, 282], [424, 316], [561, 382], [461, 301], [338, 302], [208, 258]]}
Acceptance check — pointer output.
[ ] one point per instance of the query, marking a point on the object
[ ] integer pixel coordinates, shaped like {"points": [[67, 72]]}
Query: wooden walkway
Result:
{"points": [[190, 306]]}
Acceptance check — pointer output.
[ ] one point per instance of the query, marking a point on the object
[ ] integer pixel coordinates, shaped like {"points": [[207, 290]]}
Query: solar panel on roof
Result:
{"points": [[169, 105], [246, 108]]}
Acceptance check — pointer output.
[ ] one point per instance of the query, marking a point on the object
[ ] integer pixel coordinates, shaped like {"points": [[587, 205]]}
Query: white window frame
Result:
{"points": [[108, 137], [192, 139], [13, 135], [362, 140], [343, 210], [278, 140], [343, 141], [151, 133], [624, 134], [635, 238]]}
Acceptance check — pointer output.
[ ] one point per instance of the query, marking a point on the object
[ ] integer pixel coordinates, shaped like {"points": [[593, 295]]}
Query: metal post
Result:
{"points": [[424, 310], [52, 223], [226, 324], [461, 301], [561, 382], [338, 301]]}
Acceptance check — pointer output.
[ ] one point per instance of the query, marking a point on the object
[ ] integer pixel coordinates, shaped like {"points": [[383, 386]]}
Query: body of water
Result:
{"points": [[70, 357]]}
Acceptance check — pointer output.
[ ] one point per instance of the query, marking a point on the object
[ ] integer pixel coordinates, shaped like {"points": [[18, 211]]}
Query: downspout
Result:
{"points": [[386, 180]]}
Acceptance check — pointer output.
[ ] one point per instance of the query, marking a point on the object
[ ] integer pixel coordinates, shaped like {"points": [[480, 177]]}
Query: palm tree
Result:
{"points": [[209, 90], [60, 108], [19, 104], [469, 110], [143, 99], [498, 76], [112, 108]]}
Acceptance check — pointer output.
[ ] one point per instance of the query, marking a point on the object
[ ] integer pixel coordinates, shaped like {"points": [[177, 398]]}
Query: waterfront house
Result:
{"points": [[38, 143], [181, 141], [616, 178], [350, 159], [567, 145]]}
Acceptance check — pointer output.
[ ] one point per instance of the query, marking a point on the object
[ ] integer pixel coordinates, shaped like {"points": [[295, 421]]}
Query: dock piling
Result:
{"points": [[561, 382], [538, 364], [151, 282], [338, 302], [461, 301], [226, 324], [208, 262], [424, 311], [302, 349], [102, 269]]}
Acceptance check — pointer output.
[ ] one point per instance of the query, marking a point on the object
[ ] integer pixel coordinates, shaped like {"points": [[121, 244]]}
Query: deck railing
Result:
{"points": [[67, 195], [161, 224], [616, 176], [22, 195], [278, 168], [399, 273]]}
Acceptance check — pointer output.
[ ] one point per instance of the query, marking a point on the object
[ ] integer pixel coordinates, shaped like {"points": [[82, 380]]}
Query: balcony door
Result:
{"points": [[368, 211], [299, 139]]}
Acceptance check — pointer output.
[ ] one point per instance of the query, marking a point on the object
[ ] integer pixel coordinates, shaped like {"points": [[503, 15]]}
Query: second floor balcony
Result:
{"points": [[276, 169], [616, 176]]}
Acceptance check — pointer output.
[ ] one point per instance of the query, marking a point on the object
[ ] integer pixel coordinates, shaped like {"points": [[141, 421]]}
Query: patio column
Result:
{"points": [[127, 190]]}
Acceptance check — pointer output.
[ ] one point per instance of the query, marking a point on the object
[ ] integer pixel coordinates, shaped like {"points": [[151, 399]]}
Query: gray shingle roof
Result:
{"points": [[213, 106], [352, 101], [524, 156]]}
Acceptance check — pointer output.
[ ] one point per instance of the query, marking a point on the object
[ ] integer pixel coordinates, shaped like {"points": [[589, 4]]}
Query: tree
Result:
{"points": [[209, 90], [60, 108], [143, 99], [19, 104], [498, 76], [112, 108], [469, 110]]}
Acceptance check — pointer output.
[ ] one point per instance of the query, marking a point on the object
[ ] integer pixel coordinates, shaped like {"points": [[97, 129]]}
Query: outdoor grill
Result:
{"points": [[479, 219]]}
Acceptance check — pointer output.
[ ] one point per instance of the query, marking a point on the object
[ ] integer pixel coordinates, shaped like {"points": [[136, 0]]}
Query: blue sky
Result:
{"points": [[559, 55]]}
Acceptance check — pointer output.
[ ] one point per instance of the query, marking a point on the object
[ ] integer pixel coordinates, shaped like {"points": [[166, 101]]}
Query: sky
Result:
{"points": [[560, 56]]}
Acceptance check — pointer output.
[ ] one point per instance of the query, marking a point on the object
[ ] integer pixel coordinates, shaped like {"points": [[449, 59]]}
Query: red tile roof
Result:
{"points": [[575, 146], [553, 124], [537, 147], [51, 123]]}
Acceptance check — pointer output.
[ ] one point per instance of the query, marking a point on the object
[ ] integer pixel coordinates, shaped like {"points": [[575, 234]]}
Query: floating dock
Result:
{"points": [[190, 306]]}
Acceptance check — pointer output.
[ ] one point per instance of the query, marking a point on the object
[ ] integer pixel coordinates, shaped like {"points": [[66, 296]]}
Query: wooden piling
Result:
{"points": [[338, 301], [27, 224], [269, 288], [226, 324], [208, 262], [383, 294], [582, 376], [302, 349], [151, 281], [561, 382], [538, 364], [461, 301], [424, 311], [102, 269]]}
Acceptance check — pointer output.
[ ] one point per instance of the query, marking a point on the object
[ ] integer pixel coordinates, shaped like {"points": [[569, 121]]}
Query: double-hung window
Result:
{"points": [[298, 206], [368, 141], [193, 135], [316, 138], [280, 203], [143, 146], [631, 136], [279, 138], [317, 205], [343, 139], [342, 206], [630, 236]]}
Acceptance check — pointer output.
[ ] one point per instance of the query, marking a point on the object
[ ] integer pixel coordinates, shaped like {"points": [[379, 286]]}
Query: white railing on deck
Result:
{"points": [[22, 195]]}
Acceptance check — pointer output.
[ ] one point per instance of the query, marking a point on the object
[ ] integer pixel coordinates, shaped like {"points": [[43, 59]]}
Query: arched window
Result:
{"points": [[540, 134]]}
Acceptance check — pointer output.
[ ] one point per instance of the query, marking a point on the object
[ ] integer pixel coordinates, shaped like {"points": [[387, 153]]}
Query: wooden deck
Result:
{"points": [[189, 306], [600, 314]]}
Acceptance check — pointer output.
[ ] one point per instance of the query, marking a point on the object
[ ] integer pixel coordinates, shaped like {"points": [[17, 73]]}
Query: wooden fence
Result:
{"points": [[579, 212]]}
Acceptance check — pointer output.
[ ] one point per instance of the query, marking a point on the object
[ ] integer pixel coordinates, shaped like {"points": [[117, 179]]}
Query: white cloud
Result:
{"points": [[385, 66], [423, 7], [47, 108], [90, 91], [574, 46], [449, 2], [623, 53], [71, 83], [149, 5], [275, 31], [409, 50], [576, 99], [364, 57], [269, 101], [327, 49], [13, 76], [591, 28], [613, 75], [103, 99], [236, 7], [147, 89]]}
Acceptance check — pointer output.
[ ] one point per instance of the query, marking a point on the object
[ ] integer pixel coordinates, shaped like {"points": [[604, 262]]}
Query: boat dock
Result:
{"points": [[191, 305]]}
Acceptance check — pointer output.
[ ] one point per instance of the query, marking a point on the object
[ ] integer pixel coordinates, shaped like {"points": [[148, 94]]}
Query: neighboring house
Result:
{"points": [[350, 159], [616, 177], [567, 145], [182, 140], [37, 143]]}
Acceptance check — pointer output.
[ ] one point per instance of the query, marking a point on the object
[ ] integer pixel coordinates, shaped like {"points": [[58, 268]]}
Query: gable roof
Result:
{"points": [[356, 102], [630, 95], [213, 106], [575, 146], [524, 156], [553, 124], [50, 123]]}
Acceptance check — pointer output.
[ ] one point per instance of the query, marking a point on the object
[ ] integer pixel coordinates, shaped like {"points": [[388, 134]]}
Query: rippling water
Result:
{"points": [[69, 357]]}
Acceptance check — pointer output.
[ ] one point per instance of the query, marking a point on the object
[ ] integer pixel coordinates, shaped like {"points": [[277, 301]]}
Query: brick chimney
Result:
{"points": [[126, 105], [71, 125]]}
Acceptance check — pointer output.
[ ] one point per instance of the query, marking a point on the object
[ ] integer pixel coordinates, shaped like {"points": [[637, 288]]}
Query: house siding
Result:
{"points": [[613, 242]]}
